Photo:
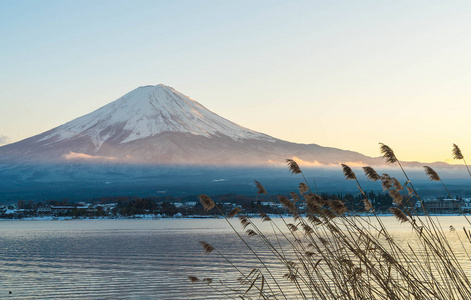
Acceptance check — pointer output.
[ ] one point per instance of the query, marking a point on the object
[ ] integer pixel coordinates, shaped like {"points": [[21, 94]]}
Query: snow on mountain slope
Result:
{"points": [[148, 111], [157, 124]]}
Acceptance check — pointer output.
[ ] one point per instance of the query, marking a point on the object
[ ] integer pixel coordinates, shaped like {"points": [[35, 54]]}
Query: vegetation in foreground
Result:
{"points": [[330, 252]]}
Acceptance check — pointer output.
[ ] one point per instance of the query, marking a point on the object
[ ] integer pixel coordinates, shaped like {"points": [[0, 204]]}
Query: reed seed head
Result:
{"points": [[292, 227], [457, 152], [397, 185], [265, 217], [313, 207], [293, 166], [314, 203], [313, 219], [388, 153], [207, 247], [290, 276], [371, 174], [328, 214], [303, 188], [207, 202], [367, 204], [386, 182], [250, 232], [260, 188], [233, 213], [193, 279], [348, 172], [244, 221], [337, 206], [314, 198], [432, 175], [309, 254], [399, 214], [294, 196], [307, 229], [397, 197], [388, 258], [287, 203]]}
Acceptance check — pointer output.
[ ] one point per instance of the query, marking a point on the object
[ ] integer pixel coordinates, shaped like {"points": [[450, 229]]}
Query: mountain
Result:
{"points": [[159, 125]]}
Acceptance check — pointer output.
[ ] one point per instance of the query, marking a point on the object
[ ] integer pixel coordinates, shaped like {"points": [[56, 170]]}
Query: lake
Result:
{"points": [[131, 259]]}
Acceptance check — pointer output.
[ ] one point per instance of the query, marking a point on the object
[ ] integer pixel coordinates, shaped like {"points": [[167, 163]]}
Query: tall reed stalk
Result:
{"points": [[330, 252]]}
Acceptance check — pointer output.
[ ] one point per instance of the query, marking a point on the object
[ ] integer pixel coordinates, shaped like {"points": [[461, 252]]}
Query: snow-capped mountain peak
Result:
{"points": [[148, 111], [159, 125]]}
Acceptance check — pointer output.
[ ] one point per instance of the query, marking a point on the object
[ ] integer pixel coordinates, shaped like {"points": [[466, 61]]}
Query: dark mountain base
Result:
{"points": [[82, 182]]}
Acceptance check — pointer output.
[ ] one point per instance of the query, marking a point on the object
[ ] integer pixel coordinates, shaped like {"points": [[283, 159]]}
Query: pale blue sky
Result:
{"points": [[346, 74]]}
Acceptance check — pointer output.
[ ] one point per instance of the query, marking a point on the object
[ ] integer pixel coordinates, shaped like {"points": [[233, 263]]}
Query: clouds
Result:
{"points": [[74, 155], [4, 140]]}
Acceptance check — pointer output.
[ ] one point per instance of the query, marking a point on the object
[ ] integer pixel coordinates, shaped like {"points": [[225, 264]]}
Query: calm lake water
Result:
{"points": [[130, 259]]}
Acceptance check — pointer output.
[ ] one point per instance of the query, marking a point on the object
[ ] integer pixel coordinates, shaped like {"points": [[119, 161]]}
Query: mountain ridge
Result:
{"points": [[159, 125]]}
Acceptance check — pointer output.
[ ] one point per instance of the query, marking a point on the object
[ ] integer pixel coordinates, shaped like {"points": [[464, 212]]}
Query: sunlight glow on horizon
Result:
{"points": [[338, 74]]}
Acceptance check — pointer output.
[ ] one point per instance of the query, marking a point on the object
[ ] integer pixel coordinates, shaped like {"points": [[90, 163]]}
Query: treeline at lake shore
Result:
{"points": [[168, 206]]}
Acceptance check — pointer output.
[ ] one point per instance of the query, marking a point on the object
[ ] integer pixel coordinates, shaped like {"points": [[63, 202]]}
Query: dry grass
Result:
{"points": [[333, 253]]}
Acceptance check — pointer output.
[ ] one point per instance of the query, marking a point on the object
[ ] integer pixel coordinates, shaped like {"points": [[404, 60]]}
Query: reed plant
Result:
{"points": [[330, 252]]}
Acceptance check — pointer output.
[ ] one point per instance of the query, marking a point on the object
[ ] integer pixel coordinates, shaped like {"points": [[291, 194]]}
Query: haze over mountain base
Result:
{"points": [[82, 182], [156, 141]]}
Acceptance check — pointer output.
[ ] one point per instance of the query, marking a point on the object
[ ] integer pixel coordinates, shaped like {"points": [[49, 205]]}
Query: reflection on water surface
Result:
{"points": [[129, 259]]}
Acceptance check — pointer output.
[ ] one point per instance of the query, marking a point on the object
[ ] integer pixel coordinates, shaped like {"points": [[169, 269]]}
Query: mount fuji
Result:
{"points": [[159, 125]]}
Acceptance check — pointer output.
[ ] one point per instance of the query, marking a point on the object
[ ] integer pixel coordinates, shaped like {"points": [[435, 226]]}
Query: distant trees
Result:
{"points": [[22, 204], [189, 205]]}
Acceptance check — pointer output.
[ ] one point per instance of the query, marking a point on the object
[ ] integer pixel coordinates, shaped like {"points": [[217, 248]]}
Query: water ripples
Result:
{"points": [[117, 259]]}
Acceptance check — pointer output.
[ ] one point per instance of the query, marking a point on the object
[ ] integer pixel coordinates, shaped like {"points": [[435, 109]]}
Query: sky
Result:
{"points": [[344, 74]]}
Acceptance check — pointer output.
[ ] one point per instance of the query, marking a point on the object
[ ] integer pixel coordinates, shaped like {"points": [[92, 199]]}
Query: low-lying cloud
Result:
{"points": [[315, 163], [74, 155]]}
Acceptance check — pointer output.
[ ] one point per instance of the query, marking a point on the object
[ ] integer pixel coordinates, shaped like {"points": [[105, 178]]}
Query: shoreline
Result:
{"points": [[153, 217]]}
